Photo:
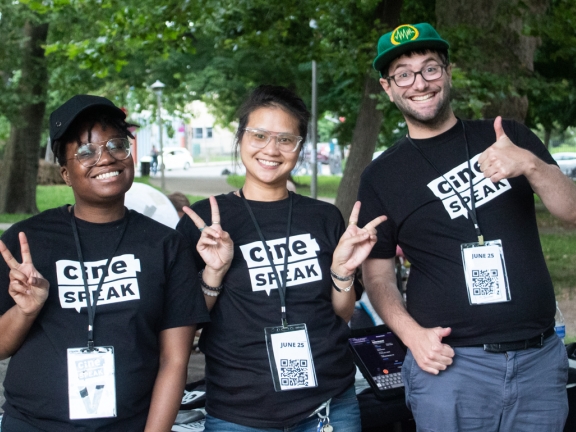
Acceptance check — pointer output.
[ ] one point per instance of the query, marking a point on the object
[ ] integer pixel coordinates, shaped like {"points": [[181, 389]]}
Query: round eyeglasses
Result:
{"points": [[260, 138], [89, 154], [406, 78]]}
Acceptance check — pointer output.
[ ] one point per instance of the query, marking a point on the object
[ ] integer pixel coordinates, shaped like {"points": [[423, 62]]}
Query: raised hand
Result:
{"points": [[27, 286], [215, 245], [504, 159], [355, 244]]}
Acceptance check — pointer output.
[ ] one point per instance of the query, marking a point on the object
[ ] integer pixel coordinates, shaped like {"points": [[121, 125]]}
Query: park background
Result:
{"points": [[515, 58]]}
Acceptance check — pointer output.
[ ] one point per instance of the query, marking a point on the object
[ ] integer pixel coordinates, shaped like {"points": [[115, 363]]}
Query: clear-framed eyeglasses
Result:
{"points": [[431, 72], [89, 154], [260, 138]]}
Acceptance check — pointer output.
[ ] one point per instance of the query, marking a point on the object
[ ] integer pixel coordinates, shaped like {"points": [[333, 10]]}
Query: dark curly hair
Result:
{"points": [[87, 120]]}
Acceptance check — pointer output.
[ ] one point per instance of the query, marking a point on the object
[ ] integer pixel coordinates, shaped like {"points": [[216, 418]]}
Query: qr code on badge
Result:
{"points": [[294, 372], [485, 282]]}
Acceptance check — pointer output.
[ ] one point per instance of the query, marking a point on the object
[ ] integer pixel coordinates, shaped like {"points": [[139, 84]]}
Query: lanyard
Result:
{"points": [[471, 211], [91, 306], [281, 287]]}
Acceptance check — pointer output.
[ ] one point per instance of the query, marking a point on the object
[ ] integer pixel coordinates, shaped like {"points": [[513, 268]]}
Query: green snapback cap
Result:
{"points": [[404, 38]]}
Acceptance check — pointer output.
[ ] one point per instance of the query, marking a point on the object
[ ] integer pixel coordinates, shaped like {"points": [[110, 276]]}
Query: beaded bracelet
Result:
{"points": [[207, 289], [210, 292], [343, 289], [341, 278]]}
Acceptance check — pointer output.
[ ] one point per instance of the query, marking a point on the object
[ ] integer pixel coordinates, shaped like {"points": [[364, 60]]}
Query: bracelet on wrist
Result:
{"points": [[341, 278], [346, 289], [210, 293], [207, 289]]}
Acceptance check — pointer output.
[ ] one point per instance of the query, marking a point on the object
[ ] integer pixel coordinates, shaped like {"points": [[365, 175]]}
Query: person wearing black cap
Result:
{"points": [[98, 303], [479, 318]]}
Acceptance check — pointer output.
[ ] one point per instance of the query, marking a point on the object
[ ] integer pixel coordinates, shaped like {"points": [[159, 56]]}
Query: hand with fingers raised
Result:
{"points": [[504, 159], [215, 245], [355, 244], [27, 286]]}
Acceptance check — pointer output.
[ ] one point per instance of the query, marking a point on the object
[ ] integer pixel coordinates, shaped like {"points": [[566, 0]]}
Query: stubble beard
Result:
{"points": [[430, 121]]}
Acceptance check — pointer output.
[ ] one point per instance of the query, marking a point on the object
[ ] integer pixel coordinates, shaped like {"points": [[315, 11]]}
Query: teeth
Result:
{"points": [[107, 175], [269, 163], [422, 98]]}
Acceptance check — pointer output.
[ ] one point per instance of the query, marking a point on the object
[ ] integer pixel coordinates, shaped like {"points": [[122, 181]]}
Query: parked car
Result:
{"points": [[174, 158], [567, 162]]}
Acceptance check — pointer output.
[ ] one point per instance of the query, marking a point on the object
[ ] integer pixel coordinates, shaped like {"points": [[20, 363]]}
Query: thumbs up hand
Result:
{"points": [[504, 159]]}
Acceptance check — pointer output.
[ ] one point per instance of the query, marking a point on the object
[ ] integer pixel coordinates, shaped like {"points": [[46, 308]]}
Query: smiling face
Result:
{"points": [[268, 167], [424, 104], [103, 184]]}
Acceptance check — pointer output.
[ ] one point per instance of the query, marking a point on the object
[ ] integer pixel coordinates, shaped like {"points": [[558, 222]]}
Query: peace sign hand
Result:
{"points": [[215, 245], [355, 244], [27, 286]]}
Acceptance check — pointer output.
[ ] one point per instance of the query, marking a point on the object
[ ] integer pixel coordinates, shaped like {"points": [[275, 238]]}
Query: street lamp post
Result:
{"points": [[157, 87], [314, 133], [314, 125]]}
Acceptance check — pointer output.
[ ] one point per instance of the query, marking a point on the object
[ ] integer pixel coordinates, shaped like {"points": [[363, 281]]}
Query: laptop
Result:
{"points": [[379, 354]]}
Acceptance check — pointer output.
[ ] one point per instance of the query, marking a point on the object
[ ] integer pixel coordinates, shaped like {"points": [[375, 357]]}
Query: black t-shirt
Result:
{"points": [[427, 219], [239, 381], [151, 286]]}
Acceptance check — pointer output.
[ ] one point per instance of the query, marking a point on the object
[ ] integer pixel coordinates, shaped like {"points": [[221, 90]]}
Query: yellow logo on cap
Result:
{"points": [[404, 33]]}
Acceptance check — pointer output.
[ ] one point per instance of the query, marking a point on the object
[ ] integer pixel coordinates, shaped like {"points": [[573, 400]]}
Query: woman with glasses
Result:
{"points": [[277, 274], [99, 304]]}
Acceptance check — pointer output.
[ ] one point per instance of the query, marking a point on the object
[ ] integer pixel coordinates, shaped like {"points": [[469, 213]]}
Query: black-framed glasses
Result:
{"points": [[406, 78], [90, 153], [260, 138]]}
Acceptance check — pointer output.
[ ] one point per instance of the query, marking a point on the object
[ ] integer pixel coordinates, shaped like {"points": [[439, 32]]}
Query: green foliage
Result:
{"points": [[559, 252]]}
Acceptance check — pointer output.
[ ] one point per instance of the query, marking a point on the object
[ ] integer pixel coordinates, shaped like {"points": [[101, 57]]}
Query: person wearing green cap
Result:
{"points": [[479, 316]]}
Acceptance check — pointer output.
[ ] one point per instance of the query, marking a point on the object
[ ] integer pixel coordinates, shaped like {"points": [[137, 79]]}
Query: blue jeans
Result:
{"points": [[344, 417], [487, 392]]}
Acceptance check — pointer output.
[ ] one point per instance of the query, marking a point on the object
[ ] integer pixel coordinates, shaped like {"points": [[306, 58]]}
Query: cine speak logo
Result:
{"points": [[120, 282], [303, 265], [459, 179]]}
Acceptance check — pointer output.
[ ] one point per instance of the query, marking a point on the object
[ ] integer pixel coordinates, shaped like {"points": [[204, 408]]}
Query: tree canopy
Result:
{"points": [[515, 58]]}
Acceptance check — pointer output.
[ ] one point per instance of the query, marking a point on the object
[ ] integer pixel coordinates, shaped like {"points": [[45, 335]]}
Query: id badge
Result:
{"points": [[91, 383], [290, 357], [485, 272]]}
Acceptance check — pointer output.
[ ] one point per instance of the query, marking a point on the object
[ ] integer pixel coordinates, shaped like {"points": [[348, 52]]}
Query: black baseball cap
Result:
{"points": [[63, 116]]}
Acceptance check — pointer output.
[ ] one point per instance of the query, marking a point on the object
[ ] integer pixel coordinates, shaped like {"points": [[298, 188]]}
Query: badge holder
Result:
{"points": [[485, 272], [91, 370], [290, 357], [91, 383]]}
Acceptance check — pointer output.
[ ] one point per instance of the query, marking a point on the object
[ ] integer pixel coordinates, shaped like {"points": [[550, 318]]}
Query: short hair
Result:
{"points": [[443, 53], [178, 200], [89, 118], [269, 96]]}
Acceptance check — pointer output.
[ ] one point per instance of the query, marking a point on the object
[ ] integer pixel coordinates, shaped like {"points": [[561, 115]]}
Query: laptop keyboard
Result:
{"points": [[389, 381]]}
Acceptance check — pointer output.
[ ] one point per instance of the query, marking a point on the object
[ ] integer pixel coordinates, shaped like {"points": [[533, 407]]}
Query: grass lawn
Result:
{"points": [[48, 197]]}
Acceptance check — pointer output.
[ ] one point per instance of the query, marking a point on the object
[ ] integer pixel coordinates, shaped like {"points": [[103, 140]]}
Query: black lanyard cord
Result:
{"points": [[471, 211], [91, 307], [281, 282]]}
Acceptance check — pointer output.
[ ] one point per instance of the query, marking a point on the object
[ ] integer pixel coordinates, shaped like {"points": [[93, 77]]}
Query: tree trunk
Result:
{"points": [[369, 121], [499, 47], [364, 141], [547, 134], [20, 167]]}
